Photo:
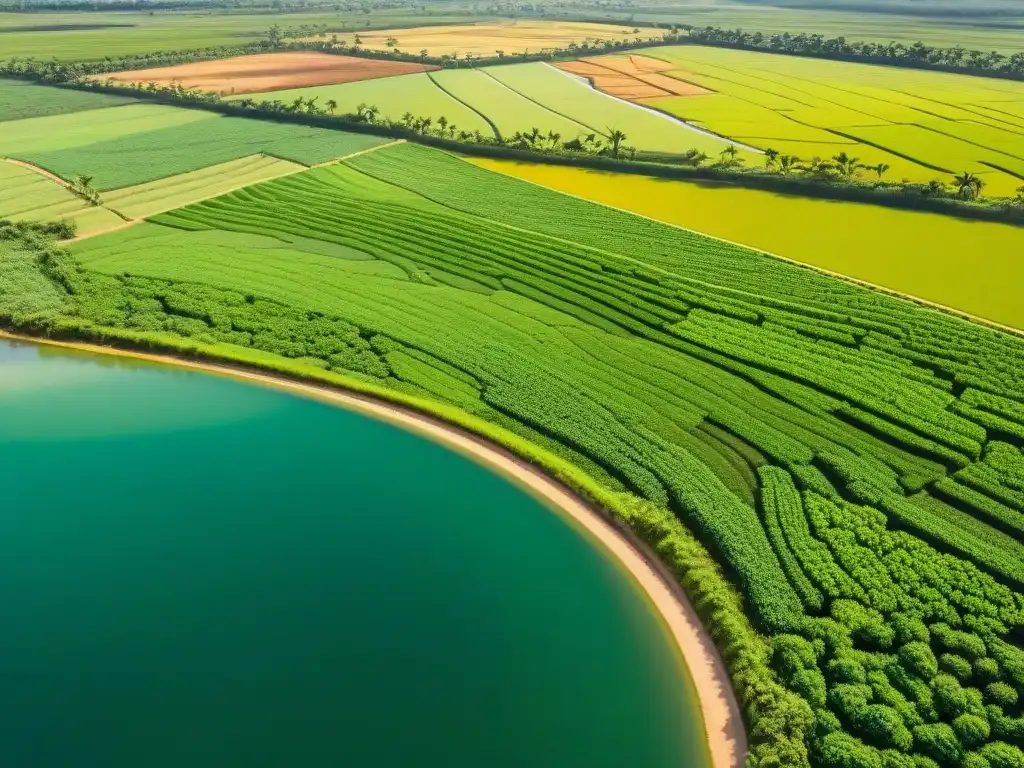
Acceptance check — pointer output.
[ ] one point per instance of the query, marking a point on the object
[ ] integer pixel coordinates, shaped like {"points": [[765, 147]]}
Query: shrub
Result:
{"points": [[883, 727], [845, 668], [1001, 693], [957, 666], [792, 653], [975, 760], [986, 670], [810, 684], [938, 741], [918, 659], [1002, 755], [965, 644], [909, 629], [972, 730], [950, 698], [840, 750]]}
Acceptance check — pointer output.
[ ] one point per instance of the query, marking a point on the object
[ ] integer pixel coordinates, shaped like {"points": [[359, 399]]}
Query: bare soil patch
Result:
{"points": [[269, 72]]}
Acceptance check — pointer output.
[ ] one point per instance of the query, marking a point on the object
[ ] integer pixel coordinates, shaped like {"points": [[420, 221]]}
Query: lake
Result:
{"points": [[197, 571]]}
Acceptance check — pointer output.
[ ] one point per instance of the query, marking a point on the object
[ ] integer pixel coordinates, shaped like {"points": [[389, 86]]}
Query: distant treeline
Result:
{"points": [[247, 6], [916, 56]]}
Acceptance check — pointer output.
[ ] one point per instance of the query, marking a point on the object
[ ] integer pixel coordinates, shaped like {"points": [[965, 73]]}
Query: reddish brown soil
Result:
{"points": [[631, 77], [269, 72]]}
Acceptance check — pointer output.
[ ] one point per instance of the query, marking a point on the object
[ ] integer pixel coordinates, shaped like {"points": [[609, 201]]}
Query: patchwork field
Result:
{"points": [[487, 38], [115, 156], [268, 72], [851, 459], [165, 194], [416, 94], [20, 99], [30, 196], [920, 254], [924, 125], [631, 77]]}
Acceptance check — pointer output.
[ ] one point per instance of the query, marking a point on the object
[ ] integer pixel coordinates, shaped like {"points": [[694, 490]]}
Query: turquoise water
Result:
{"points": [[200, 572]]}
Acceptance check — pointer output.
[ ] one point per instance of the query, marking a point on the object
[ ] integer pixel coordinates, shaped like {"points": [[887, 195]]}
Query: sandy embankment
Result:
{"points": [[722, 719]]}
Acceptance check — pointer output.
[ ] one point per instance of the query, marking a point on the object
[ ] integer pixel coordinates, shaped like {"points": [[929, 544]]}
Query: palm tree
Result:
{"points": [[1019, 198], [442, 121], [846, 165], [819, 167], [698, 158], [332, 106], [968, 185], [616, 137], [407, 119], [771, 156], [787, 163], [728, 156], [880, 169]]}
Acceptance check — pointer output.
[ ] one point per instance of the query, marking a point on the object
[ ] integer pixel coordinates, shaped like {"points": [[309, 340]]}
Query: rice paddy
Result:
{"points": [[20, 99], [921, 254], [924, 125]]}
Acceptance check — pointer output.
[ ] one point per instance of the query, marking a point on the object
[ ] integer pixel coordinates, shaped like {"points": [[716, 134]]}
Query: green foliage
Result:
{"points": [[939, 741], [1002, 694], [19, 100], [1000, 755], [971, 730]]}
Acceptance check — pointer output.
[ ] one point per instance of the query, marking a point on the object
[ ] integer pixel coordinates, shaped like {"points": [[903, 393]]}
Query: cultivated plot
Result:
{"points": [[20, 99], [924, 125], [508, 37], [267, 72], [576, 100], [142, 157], [30, 196]]}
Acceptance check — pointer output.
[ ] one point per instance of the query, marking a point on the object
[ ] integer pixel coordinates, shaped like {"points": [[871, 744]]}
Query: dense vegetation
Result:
{"points": [[853, 460]]}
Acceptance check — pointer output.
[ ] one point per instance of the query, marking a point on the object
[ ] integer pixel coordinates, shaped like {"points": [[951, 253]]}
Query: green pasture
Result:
{"points": [[146, 156], [393, 96], [924, 125]]}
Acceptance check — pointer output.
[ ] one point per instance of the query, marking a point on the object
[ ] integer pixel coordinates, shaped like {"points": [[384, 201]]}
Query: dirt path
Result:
{"points": [[723, 722], [94, 233], [36, 169], [360, 152]]}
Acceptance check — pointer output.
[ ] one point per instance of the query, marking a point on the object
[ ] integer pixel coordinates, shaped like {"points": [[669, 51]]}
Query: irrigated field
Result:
{"points": [[268, 72], [921, 254], [487, 38], [852, 459], [923, 125]]}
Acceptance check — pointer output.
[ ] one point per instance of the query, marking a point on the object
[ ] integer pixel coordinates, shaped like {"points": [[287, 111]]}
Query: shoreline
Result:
{"points": [[724, 729]]}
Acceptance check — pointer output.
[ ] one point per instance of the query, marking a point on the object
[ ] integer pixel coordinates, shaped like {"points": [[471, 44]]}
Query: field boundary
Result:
{"points": [[36, 169], [1019, 332], [725, 732], [486, 119]]}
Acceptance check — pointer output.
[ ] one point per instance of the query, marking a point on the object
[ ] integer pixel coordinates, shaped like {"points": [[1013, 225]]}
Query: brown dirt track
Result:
{"points": [[631, 77], [269, 72]]}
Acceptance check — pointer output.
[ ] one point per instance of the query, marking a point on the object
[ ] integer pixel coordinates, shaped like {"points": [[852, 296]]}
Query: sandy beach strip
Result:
{"points": [[723, 722]]}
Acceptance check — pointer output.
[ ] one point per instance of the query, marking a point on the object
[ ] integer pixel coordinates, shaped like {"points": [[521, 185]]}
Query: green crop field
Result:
{"points": [[924, 125], [123, 33], [146, 156], [19, 100], [506, 109], [175, 191], [851, 459], [27, 195], [393, 96], [574, 99], [79, 129]]}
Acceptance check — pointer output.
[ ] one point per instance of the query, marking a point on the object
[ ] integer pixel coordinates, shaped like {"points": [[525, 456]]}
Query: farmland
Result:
{"points": [[485, 39], [852, 460], [841, 237], [922, 124], [267, 72], [27, 195], [125, 154], [19, 100]]}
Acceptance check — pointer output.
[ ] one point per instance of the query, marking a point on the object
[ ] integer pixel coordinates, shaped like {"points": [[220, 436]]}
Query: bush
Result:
{"points": [[883, 727], [909, 629], [986, 670], [939, 741], [840, 750], [950, 698], [1001, 755], [792, 653], [1002, 694], [845, 668], [919, 660], [963, 643], [971, 730], [975, 760], [893, 759], [810, 684], [957, 666]]}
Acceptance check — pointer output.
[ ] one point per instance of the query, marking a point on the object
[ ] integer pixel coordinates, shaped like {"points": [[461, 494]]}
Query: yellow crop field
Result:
{"points": [[923, 125], [920, 254], [487, 38]]}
